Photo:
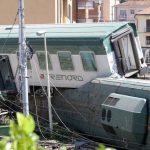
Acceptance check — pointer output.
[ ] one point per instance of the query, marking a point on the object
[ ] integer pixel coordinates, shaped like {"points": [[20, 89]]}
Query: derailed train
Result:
{"points": [[97, 69]]}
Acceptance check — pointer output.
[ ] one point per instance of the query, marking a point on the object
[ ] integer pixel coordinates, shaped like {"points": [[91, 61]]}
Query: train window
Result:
{"points": [[103, 114], [147, 56], [109, 115], [88, 61], [41, 60], [65, 60]]}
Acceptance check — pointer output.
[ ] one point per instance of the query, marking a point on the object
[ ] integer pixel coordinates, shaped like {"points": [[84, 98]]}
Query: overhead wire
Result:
{"points": [[37, 119], [82, 135], [111, 139], [34, 93], [57, 91], [6, 40], [46, 94], [92, 135], [40, 117], [31, 113], [68, 101], [136, 122], [48, 108]]}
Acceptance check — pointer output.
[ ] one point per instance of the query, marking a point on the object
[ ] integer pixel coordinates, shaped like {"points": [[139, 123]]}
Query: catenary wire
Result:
{"points": [[58, 91], [6, 40], [47, 97], [81, 135], [37, 119]]}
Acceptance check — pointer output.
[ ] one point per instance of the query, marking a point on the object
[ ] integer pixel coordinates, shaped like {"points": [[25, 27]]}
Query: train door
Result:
{"points": [[6, 76], [1, 82], [125, 52]]}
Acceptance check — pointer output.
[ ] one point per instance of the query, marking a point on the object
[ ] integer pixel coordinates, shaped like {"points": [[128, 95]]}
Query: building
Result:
{"points": [[94, 10], [58, 11], [37, 11], [87, 11], [108, 9], [127, 10], [142, 20]]}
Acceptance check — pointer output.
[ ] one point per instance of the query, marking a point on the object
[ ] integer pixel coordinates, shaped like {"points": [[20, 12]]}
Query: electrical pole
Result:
{"points": [[48, 88], [23, 60], [40, 33]]}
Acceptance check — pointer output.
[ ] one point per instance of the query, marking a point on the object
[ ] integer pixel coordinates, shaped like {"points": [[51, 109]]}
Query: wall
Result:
{"points": [[36, 11], [108, 9], [141, 27], [87, 14], [112, 3], [127, 8], [74, 10]]}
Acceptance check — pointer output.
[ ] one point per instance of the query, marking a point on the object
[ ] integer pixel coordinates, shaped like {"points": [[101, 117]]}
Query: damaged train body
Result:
{"points": [[96, 67]]}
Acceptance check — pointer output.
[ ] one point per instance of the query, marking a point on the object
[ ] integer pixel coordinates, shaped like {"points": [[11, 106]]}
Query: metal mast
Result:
{"points": [[40, 33], [48, 88], [23, 60]]}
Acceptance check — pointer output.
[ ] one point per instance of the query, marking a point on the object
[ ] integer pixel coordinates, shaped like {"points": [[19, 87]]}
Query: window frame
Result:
{"points": [[123, 13], [147, 25], [94, 61], [147, 41], [73, 68], [49, 61], [132, 11]]}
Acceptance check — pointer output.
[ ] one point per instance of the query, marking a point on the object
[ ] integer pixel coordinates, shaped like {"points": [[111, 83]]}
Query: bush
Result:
{"points": [[21, 135]]}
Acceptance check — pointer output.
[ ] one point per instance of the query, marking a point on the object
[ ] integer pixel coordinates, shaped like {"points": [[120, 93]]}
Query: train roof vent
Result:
{"points": [[111, 101]]}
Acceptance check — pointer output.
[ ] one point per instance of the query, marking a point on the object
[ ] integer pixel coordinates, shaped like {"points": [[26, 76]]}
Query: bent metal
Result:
{"points": [[66, 77]]}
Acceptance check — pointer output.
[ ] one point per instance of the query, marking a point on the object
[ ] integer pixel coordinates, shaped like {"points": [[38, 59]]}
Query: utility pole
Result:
{"points": [[23, 60], [40, 33], [48, 88]]}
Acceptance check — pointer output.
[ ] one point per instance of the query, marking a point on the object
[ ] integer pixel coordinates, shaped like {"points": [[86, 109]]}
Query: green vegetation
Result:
{"points": [[102, 147], [21, 135]]}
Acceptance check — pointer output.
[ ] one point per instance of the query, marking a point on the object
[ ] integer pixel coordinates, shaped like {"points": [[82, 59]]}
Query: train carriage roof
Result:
{"points": [[77, 30], [73, 36]]}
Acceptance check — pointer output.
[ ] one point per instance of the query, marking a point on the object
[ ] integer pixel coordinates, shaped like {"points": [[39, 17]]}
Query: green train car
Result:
{"points": [[96, 69]]}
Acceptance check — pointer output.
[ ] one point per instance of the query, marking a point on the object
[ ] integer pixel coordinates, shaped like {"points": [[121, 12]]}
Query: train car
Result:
{"points": [[95, 67], [78, 53]]}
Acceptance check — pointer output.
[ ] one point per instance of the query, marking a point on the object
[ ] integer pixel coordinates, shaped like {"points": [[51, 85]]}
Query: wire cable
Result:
{"points": [[68, 102], [6, 40], [83, 135], [46, 94], [37, 119]]}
